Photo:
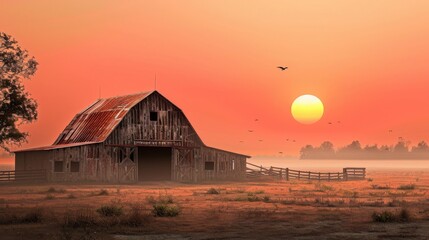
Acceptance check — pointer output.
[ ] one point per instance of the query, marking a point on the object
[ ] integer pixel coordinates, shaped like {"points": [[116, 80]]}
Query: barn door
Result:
{"points": [[128, 164], [184, 166]]}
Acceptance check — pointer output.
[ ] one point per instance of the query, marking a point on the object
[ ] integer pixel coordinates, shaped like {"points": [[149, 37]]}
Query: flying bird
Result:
{"points": [[282, 68], [256, 120], [250, 130], [329, 123]]}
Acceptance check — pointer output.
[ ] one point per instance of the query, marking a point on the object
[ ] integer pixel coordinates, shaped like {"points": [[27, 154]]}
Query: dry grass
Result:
{"points": [[241, 210]]}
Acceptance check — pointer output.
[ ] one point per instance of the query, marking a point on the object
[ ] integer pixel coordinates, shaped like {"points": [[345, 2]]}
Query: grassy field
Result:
{"points": [[388, 205]]}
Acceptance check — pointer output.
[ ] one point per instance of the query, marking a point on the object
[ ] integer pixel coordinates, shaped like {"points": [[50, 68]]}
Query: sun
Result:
{"points": [[307, 109]]}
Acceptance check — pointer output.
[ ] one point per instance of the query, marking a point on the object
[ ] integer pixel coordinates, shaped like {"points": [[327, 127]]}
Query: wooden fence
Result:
{"points": [[23, 176], [255, 171]]}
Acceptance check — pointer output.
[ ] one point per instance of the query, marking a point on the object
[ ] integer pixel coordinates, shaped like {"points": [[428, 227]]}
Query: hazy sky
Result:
{"points": [[366, 60]]}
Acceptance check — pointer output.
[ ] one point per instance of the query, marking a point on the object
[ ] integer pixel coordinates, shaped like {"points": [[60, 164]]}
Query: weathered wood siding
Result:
{"points": [[226, 165], [171, 128]]}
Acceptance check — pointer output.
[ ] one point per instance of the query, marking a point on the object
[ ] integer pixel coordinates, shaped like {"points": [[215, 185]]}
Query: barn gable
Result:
{"points": [[155, 120]]}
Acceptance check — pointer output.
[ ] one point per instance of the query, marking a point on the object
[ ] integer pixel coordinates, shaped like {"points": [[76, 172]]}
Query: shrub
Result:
{"points": [[213, 191], [407, 187], [34, 215], [259, 192], [135, 218], [384, 217], [404, 215], [375, 186], [253, 199], [80, 219], [164, 210], [103, 192], [162, 199], [266, 199], [110, 211], [50, 197], [323, 188], [54, 190], [370, 179]]}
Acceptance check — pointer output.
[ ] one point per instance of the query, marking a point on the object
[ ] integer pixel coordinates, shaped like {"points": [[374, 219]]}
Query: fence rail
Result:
{"points": [[255, 171], [23, 175]]}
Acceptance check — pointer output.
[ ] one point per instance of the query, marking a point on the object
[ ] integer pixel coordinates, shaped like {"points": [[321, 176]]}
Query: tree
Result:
{"points": [[306, 151], [327, 147], [354, 147], [421, 147], [16, 105], [401, 146]]}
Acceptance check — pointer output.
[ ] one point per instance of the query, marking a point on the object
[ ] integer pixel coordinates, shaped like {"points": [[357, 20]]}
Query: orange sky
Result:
{"points": [[366, 60]]}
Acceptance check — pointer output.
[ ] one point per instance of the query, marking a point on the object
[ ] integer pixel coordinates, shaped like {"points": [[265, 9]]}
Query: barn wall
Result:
{"points": [[34, 160], [172, 127], [189, 165], [226, 165]]}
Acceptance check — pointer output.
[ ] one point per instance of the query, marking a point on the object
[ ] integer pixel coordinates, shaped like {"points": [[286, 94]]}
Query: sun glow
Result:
{"points": [[307, 109]]}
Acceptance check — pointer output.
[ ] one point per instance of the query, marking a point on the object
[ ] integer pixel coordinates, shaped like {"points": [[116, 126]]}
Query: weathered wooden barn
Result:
{"points": [[138, 137]]}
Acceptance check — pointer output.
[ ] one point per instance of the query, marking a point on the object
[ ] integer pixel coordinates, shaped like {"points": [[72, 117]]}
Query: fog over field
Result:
{"points": [[325, 164]]}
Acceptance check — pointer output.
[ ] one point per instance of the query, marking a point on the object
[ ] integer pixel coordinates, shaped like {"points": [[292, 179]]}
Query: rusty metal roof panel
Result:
{"points": [[95, 123]]}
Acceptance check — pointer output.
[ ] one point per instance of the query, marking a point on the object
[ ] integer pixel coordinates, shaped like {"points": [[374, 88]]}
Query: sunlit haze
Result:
{"points": [[366, 60]]}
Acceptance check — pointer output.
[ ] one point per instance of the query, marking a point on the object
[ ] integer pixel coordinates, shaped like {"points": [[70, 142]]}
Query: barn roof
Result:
{"points": [[95, 123]]}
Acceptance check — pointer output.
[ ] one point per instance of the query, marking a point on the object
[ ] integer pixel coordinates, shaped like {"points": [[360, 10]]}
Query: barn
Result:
{"points": [[137, 137]]}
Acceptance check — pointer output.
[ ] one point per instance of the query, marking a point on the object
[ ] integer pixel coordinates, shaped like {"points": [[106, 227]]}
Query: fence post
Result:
{"points": [[329, 176], [319, 176], [345, 177], [287, 174], [299, 175]]}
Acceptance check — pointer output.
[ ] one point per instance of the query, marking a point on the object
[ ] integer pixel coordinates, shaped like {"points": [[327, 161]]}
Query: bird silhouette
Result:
{"points": [[250, 130], [261, 140], [329, 123], [256, 120], [282, 68], [390, 130]]}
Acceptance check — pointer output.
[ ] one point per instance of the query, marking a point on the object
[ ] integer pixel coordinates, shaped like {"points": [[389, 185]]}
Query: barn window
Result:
{"points": [[153, 116], [74, 166], [58, 166], [209, 166]]}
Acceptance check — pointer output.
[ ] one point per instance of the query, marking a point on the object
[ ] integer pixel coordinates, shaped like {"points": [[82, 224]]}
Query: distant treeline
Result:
{"points": [[401, 150]]}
